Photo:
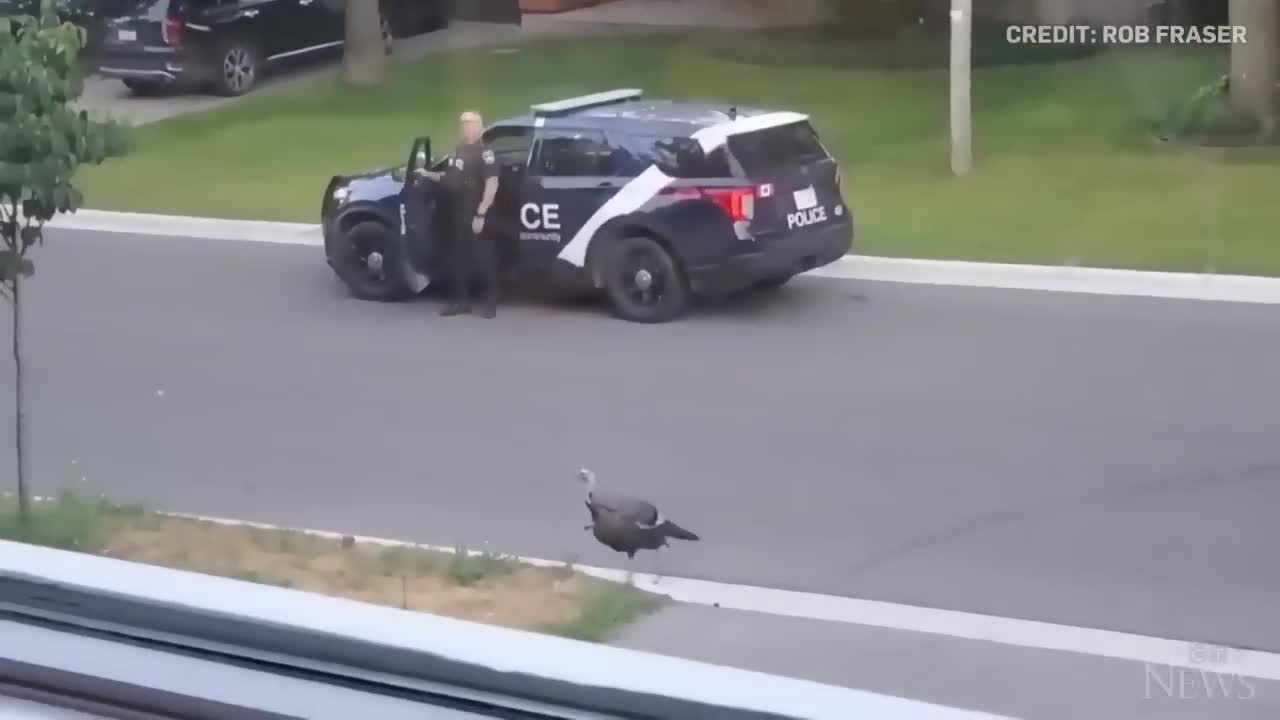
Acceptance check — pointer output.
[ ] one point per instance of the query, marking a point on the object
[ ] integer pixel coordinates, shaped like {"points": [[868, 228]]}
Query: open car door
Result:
{"points": [[421, 203]]}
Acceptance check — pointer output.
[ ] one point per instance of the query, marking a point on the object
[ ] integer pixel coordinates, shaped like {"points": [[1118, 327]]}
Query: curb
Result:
{"points": [[186, 226], [868, 613], [953, 273], [1014, 632], [1086, 280]]}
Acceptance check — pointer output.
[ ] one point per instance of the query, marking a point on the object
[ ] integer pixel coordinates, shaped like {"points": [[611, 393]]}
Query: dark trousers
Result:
{"points": [[474, 253]]}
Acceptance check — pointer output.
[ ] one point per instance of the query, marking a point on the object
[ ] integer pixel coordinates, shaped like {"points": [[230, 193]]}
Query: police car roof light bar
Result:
{"points": [[583, 102]]}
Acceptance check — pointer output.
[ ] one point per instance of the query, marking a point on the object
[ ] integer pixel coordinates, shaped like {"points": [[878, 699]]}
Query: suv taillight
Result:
{"points": [[739, 203], [172, 31]]}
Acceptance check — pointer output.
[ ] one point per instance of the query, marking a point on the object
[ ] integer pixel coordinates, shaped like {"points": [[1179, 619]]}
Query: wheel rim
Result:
{"points": [[369, 260], [642, 278], [237, 69]]}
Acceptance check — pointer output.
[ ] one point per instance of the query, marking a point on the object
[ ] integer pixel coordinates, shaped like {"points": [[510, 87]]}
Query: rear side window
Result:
{"points": [[569, 153], [778, 147], [510, 144], [679, 157]]}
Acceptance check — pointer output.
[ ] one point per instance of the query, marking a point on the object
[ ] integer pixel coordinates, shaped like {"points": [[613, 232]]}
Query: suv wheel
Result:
{"points": [[368, 260], [644, 283], [141, 88], [239, 66]]}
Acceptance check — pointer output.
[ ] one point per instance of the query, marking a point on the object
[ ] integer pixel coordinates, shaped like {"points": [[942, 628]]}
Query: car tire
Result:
{"points": [[351, 262], [142, 88], [773, 283], [433, 20], [237, 67], [643, 281]]}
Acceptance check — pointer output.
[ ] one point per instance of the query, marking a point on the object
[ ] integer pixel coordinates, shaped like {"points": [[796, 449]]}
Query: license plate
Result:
{"points": [[805, 198], [127, 35]]}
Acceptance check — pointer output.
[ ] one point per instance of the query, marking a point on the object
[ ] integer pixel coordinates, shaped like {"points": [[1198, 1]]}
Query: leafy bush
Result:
{"points": [[1206, 114]]}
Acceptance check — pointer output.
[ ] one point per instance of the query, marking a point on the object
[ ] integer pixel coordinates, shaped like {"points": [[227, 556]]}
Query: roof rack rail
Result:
{"points": [[583, 102]]}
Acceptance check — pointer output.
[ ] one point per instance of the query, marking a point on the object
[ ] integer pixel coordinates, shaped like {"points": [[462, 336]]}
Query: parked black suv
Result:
{"points": [[229, 44]]}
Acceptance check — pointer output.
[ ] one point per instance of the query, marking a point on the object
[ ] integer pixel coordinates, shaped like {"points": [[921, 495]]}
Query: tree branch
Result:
{"points": [[38, 224]]}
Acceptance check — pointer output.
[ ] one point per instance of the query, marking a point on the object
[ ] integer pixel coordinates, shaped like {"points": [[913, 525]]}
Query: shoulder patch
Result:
{"points": [[487, 155]]}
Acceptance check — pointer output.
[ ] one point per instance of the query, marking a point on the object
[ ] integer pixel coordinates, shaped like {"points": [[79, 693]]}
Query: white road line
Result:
{"points": [[892, 616], [1095, 281], [191, 227]]}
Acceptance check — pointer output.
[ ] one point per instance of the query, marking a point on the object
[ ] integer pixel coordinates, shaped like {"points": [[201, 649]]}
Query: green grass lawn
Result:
{"points": [[1067, 172], [480, 587]]}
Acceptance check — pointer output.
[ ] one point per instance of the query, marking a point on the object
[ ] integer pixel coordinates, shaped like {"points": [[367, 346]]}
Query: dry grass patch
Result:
{"points": [[480, 587]]}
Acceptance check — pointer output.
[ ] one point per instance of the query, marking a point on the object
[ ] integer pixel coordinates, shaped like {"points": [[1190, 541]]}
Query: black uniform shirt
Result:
{"points": [[472, 164]]}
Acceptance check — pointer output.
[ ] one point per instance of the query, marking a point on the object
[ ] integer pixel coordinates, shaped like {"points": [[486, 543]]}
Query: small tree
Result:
{"points": [[364, 55], [43, 140]]}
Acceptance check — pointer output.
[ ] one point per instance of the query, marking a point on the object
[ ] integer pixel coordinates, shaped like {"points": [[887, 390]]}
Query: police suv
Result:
{"points": [[652, 201]]}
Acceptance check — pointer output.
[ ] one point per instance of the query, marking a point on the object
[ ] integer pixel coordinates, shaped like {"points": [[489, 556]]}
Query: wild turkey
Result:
{"points": [[625, 524]]}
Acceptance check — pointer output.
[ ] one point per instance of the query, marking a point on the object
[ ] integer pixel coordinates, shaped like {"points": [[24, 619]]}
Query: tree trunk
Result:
{"points": [[364, 59], [1255, 63], [20, 442]]}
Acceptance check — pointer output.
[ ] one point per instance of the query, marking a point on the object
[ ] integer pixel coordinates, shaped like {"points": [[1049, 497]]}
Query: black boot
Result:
{"points": [[489, 312], [455, 309]]}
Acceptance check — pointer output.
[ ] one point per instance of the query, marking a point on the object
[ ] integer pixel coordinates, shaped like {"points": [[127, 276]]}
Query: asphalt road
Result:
{"points": [[1099, 461]]}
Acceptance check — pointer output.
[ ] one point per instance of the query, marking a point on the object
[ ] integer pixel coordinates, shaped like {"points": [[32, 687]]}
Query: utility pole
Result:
{"points": [[1255, 63], [961, 67]]}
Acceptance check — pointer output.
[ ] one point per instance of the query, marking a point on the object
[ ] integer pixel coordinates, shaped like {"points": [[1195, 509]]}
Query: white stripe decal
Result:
{"points": [[714, 136], [649, 183], [630, 197]]}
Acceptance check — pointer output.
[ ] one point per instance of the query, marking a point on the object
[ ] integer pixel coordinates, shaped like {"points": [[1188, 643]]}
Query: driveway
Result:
{"points": [[737, 14], [109, 98]]}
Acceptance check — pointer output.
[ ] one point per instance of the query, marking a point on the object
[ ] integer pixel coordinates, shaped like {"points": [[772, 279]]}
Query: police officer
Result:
{"points": [[471, 180]]}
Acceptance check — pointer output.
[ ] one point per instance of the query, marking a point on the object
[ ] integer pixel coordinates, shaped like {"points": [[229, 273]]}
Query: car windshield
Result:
{"points": [[926, 348]]}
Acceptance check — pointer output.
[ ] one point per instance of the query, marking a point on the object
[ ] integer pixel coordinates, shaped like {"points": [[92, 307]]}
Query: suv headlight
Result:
{"points": [[340, 194]]}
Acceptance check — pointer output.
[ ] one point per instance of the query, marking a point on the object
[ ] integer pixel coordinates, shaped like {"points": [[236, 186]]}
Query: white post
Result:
{"points": [[961, 64]]}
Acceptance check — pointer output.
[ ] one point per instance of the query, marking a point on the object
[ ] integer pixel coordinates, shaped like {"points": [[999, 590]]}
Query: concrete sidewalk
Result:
{"points": [[975, 675]]}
